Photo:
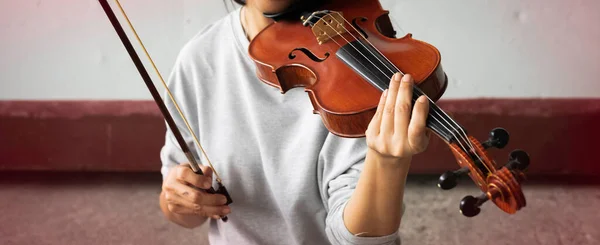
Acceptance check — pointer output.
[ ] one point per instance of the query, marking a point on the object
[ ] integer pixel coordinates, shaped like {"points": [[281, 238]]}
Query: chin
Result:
{"points": [[272, 6]]}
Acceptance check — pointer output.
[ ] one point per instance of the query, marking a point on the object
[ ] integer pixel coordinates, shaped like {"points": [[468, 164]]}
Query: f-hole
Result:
{"points": [[361, 19], [307, 52]]}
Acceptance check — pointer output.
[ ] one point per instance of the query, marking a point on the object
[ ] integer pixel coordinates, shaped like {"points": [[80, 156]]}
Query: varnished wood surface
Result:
{"points": [[344, 100]]}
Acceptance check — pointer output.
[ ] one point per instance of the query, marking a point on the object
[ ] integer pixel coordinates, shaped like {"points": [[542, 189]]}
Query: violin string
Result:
{"points": [[398, 70], [462, 134], [413, 99], [451, 131], [370, 44], [416, 88], [433, 116], [218, 179], [436, 129]]}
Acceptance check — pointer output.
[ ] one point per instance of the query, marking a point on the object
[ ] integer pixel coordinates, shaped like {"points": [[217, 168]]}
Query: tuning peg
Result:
{"points": [[498, 138], [518, 159], [469, 205], [448, 179]]}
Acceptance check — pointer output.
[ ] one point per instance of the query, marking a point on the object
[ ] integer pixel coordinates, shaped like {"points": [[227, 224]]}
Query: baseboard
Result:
{"points": [[559, 134]]}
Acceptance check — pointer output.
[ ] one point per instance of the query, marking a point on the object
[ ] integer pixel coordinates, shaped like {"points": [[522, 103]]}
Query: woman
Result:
{"points": [[291, 180]]}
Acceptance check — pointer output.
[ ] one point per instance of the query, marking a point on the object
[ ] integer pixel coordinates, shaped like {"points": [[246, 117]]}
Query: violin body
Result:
{"points": [[288, 55]]}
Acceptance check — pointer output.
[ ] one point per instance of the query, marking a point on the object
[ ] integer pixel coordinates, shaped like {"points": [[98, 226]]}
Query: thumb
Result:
{"points": [[206, 170]]}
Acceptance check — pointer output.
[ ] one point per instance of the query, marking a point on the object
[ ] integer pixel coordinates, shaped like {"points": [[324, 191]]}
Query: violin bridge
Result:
{"points": [[328, 25]]}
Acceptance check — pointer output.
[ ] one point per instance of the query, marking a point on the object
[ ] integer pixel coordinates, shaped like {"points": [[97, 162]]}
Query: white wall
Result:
{"points": [[503, 48]]}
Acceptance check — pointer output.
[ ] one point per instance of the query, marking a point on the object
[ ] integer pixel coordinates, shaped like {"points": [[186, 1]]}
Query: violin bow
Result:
{"points": [[159, 102]]}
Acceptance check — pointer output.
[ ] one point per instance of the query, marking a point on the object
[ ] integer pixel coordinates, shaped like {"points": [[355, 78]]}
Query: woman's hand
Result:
{"points": [[185, 193], [397, 131]]}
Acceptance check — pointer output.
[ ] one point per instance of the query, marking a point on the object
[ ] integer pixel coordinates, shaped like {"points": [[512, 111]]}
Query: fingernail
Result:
{"points": [[224, 200], [423, 99], [397, 77], [226, 210], [406, 78]]}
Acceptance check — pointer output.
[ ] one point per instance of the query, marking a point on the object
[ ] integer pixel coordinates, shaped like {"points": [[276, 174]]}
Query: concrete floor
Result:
{"points": [[44, 208]]}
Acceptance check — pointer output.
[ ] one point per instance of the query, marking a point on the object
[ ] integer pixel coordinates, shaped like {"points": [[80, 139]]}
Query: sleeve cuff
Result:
{"points": [[341, 235]]}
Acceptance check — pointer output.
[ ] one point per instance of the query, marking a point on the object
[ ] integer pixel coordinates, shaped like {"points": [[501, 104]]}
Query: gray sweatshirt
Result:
{"points": [[289, 178]]}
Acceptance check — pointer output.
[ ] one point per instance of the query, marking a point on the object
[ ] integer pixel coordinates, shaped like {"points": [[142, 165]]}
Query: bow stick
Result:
{"points": [[157, 98]]}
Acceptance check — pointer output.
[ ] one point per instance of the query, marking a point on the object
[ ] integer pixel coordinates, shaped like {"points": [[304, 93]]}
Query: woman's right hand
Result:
{"points": [[186, 193]]}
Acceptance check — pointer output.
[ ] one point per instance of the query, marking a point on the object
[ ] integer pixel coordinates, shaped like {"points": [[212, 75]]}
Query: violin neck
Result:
{"points": [[440, 122], [376, 69]]}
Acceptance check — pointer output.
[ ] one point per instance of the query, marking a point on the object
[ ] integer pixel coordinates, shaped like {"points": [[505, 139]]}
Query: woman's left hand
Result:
{"points": [[397, 131]]}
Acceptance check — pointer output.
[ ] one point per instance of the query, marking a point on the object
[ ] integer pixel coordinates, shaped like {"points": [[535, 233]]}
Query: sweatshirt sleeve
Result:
{"points": [[343, 160]]}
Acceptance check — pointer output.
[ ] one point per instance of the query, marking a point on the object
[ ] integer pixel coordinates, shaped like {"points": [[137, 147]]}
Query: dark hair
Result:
{"points": [[240, 2]]}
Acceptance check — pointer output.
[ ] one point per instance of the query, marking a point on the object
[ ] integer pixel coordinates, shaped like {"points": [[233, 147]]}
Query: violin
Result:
{"points": [[298, 49], [344, 54]]}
